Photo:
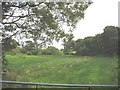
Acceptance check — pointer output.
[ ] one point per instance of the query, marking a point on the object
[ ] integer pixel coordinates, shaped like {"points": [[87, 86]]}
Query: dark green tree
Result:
{"points": [[105, 44], [110, 40], [69, 47], [51, 50], [29, 48], [79, 47], [10, 44], [85, 46], [98, 45]]}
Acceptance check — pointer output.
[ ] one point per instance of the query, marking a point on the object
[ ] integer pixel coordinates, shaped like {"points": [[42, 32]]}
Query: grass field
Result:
{"points": [[63, 69]]}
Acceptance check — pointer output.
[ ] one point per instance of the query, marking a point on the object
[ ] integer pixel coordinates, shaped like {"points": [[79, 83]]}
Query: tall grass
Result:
{"points": [[64, 69]]}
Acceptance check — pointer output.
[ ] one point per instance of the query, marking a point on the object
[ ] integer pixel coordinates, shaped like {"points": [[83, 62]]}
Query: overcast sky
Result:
{"points": [[100, 14]]}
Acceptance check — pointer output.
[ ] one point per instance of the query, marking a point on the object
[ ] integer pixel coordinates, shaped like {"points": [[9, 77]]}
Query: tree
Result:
{"points": [[79, 47], [29, 48], [10, 44], [98, 45], [69, 47], [110, 40], [51, 50], [40, 21], [105, 44], [85, 46]]}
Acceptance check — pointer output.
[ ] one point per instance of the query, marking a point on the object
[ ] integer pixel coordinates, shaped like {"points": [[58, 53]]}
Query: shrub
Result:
{"points": [[51, 51], [14, 51]]}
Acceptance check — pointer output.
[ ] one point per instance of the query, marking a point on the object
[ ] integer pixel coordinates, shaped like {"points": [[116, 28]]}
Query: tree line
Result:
{"points": [[104, 44]]}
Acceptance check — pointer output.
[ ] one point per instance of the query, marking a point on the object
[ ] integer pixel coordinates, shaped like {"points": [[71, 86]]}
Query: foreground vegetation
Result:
{"points": [[63, 69]]}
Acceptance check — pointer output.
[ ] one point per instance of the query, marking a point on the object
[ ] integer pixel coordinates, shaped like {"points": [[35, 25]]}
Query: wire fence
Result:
{"points": [[41, 85]]}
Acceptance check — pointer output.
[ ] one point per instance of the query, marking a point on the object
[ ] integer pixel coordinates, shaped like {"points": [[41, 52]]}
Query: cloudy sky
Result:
{"points": [[100, 14]]}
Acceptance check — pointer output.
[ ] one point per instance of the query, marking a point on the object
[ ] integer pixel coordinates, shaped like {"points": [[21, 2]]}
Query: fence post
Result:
{"points": [[89, 88], [36, 87]]}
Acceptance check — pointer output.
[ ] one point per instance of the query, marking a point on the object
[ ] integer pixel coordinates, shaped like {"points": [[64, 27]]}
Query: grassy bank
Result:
{"points": [[63, 69]]}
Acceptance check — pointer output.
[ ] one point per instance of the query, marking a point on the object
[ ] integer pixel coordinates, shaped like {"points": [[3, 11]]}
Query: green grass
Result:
{"points": [[64, 69]]}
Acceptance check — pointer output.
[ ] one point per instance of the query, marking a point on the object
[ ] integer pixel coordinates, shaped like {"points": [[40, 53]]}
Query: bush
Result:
{"points": [[14, 51], [51, 51]]}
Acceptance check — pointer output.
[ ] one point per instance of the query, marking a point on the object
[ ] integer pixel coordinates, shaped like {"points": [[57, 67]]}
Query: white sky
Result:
{"points": [[100, 14]]}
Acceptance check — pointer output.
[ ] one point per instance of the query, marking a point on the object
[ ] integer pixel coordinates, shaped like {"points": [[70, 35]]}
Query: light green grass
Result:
{"points": [[64, 69]]}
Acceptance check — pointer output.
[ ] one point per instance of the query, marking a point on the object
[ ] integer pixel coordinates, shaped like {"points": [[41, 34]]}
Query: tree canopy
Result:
{"points": [[41, 21]]}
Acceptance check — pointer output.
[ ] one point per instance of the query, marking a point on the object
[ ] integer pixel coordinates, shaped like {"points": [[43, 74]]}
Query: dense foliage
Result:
{"points": [[50, 51], [105, 44]]}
